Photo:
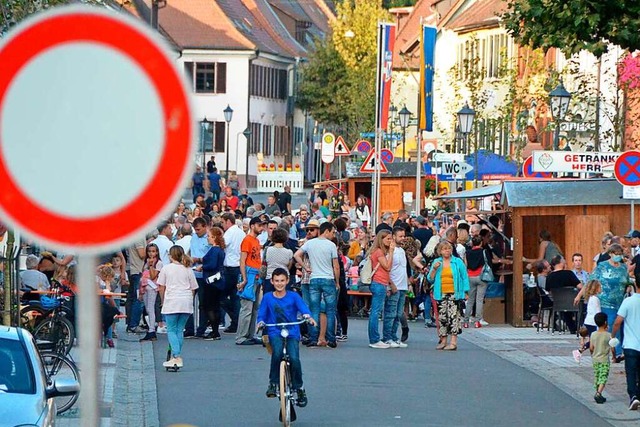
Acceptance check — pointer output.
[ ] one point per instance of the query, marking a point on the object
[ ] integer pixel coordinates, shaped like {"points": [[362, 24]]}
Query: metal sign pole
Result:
{"points": [[88, 315]]}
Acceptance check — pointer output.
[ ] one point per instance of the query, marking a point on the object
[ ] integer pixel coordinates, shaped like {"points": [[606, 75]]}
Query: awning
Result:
{"points": [[476, 193]]}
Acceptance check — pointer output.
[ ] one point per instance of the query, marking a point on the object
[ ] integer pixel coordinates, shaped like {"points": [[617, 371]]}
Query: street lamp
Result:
{"points": [[228, 115], [247, 135], [465, 125], [404, 122], [393, 110], [205, 128], [560, 99]]}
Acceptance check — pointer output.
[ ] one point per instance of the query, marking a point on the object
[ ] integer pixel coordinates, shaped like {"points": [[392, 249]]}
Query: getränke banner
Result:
{"points": [[573, 161]]}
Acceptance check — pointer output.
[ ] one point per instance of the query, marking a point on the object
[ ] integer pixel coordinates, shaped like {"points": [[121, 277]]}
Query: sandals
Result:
{"points": [[441, 345], [451, 347]]}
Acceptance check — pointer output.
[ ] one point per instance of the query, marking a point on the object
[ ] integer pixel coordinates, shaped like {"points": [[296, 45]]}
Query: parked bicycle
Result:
{"points": [[58, 366]]}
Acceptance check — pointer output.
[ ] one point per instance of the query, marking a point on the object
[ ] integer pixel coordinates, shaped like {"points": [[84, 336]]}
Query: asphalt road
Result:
{"points": [[224, 385]]}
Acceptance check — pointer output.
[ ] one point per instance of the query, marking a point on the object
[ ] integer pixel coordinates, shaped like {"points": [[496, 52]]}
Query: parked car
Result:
{"points": [[27, 398]]}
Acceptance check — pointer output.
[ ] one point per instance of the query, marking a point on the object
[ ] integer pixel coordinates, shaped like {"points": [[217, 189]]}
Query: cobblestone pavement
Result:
{"points": [[128, 385], [550, 357]]}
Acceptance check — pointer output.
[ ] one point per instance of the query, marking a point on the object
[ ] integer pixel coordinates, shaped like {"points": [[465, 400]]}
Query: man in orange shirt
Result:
{"points": [[250, 261]]}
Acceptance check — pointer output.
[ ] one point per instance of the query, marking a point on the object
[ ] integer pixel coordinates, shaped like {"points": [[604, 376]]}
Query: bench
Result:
{"points": [[358, 293]]}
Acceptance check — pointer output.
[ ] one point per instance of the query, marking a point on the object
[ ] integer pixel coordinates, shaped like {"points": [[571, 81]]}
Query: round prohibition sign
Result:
{"points": [[527, 170], [627, 168], [120, 69]]}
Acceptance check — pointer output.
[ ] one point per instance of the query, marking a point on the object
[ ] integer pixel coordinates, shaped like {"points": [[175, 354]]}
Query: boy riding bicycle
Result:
{"points": [[281, 306]]}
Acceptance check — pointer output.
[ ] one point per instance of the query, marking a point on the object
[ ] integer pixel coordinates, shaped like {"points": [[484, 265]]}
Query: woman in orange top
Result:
{"points": [[450, 284], [381, 254]]}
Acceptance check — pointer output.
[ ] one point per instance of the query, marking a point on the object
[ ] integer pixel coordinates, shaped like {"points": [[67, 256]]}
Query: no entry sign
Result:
{"points": [[627, 168], [96, 136]]}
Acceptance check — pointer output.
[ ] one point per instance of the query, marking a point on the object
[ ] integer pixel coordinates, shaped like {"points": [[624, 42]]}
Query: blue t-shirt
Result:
{"points": [[613, 280], [214, 181], [630, 310], [282, 310]]}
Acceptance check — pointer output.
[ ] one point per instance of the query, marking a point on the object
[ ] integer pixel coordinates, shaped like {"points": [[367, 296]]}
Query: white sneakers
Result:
{"points": [[161, 330], [483, 322], [576, 355], [389, 344], [379, 344], [174, 361]]}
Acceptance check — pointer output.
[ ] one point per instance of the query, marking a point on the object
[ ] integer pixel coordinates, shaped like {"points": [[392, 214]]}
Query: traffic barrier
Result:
{"points": [[271, 181]]}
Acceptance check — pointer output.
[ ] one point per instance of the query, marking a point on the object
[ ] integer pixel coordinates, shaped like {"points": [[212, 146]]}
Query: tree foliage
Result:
{"points": [[574, 25], [14, 11], [338, 81]]}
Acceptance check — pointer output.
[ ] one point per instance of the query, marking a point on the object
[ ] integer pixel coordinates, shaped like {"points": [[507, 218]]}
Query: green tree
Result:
{"points": [[14, 11], [338, 81], [574, 25]]}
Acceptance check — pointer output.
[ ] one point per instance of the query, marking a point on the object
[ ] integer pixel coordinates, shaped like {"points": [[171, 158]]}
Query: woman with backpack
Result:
{"points": [[381, 256]]}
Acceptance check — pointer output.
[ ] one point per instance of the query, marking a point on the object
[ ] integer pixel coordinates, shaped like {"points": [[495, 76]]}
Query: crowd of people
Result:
{"points": [[208, 269], [611, 322]]}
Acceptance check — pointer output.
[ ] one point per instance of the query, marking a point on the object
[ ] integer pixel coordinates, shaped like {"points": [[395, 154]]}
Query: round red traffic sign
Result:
{"points": [[527, 170], [627, 168], [386, 155], [96, 135]]}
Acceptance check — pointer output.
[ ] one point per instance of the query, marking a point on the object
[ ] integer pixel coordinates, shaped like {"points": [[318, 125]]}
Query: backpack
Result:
{"points": [[367, 272]]}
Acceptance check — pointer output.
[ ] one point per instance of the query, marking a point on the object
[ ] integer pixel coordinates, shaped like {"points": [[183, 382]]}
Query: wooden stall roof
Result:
{"points": [[563, 192], [396, 169]]}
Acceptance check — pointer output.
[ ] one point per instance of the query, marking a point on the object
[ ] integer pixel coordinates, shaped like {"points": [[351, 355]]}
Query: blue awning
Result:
{"points": [[491, 167]]}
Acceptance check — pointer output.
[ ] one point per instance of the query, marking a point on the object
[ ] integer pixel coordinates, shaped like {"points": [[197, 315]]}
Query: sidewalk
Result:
{"points": [[549, 356], [128, 385]]}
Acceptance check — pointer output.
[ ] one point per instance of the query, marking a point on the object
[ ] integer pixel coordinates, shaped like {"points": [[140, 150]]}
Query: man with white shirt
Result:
{"points": [[629, 315], [184, 238], [198, 247], [394, 304], [233, 236], [163, 242]]}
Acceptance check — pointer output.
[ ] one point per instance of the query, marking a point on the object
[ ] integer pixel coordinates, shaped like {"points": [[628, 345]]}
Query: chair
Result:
{"points": [[563, 303], [544, 304]]}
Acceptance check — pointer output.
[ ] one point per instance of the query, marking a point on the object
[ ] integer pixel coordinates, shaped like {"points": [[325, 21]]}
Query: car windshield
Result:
{"points": [[16, 374]]}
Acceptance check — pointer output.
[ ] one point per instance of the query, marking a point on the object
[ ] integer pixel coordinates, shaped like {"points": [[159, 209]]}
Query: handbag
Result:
{"points": [[487, 273], [263, 268], [367, 272]]}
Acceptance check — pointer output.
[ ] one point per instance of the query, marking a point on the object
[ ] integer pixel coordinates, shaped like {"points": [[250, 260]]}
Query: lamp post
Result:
{"points": [[465, 125], [404, 115], [204, 124], [247, 135], [393, 110], [559, 99], [228, 115]]}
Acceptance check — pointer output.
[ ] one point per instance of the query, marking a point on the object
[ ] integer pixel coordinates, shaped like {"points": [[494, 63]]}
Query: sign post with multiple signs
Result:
{"points": [[627, 172]]}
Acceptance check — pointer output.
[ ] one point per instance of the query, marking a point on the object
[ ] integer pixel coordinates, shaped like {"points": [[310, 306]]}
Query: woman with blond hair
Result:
{"points": [[450, 284], [177, 285], [381, 254]]}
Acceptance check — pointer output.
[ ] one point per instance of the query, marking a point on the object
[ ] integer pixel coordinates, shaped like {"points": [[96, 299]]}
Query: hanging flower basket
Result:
{"points": [[297, 167], [272, 167]]}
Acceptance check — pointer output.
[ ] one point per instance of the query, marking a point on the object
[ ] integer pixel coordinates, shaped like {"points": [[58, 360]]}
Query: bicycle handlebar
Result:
{"points": [[300, 322]]}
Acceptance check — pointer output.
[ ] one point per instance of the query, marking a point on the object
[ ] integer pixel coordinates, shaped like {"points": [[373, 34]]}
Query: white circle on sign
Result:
{"points": [[95, 140]]}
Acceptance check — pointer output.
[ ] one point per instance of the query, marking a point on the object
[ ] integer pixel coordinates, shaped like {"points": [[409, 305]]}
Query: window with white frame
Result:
{"points": [[207, 77]]}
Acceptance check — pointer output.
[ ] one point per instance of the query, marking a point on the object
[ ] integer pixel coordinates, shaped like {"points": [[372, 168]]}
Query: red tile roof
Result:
{"points": [[480, 14], [405, 52]]}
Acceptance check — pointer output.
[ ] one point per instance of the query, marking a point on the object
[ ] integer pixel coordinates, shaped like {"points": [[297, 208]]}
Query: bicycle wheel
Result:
{"points": [[285, 394], [59, 367], [50, 330], [30, 317]]}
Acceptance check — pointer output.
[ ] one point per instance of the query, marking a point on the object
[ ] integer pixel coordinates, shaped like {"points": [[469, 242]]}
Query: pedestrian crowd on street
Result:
{"points": [[610, 328], [219, 268]]}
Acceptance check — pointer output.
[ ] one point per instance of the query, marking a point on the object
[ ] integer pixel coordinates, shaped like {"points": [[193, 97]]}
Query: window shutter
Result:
{"points": [[220, 136], [221, 77], [188, 73]]}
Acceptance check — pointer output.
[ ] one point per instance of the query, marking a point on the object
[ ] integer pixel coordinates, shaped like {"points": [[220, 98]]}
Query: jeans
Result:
{"points": [[477, 290], [318, 289], [293, 350], [304, 288], [402, 295], [632, 369], [133, 306], [175, 328], [427, 308], [612, 314], [378, 295], [230, 302], [390, 316], [202, 315]]}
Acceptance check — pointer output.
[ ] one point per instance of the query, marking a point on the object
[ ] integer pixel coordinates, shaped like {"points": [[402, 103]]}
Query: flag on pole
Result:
{"points": [[427, 70], [386, 39]]}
